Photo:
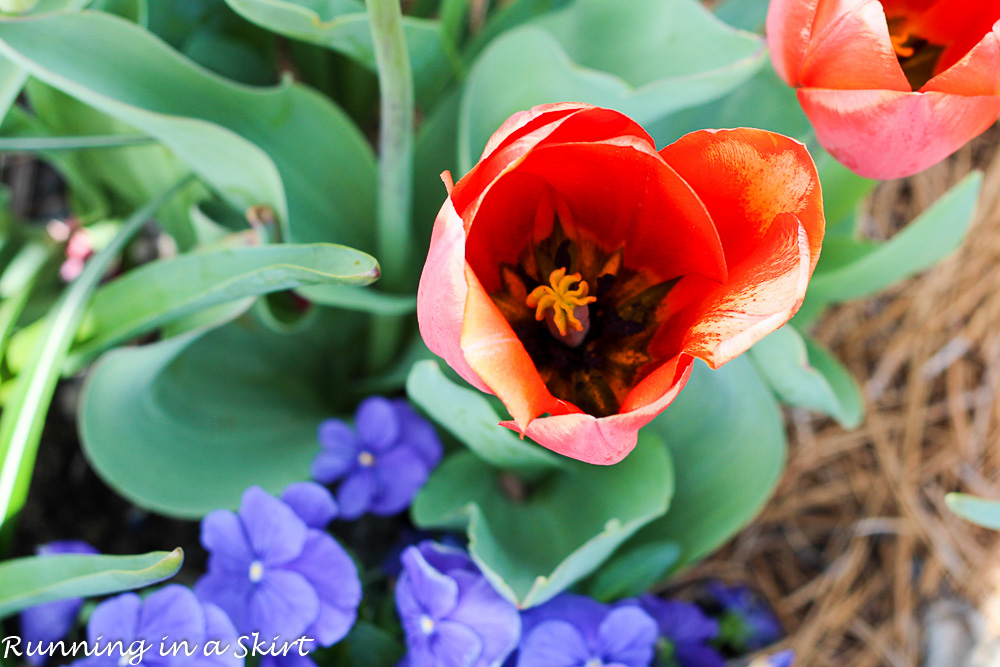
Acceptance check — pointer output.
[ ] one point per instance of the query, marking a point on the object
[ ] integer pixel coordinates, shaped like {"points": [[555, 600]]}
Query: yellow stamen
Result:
{"points": [[561, 299], [898, 42]]}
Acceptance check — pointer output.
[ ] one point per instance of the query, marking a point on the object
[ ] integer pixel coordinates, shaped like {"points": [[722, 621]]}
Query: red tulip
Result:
{"points": [[576, 272], [890, 87]]}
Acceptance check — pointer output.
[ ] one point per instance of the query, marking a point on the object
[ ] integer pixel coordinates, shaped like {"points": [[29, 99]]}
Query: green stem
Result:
{"points": [[24, 413], [39, 144], [395, 168], [395, 164]]}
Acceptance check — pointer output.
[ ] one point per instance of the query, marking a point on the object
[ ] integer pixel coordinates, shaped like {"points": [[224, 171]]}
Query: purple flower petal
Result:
{"points": [[333, 575], [680, 621], [782, 659], [554, 643], [418, 434], [355, 493], [377, 424], [434, 593], [627, 635], [494, 618], [48, 622], [283, 603], [445, 558], [230, 592], [223, 537], [454, 645], [115, 619], [312, 502], [219, 628], [583, 613], [698, 655], [339, 451], [170, 615], [66, 547], [275, 532], [291, 659], [400, 474], [336, 434]]}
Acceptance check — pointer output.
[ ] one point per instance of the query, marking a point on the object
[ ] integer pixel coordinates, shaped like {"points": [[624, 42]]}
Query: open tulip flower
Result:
{"points": [[890, 87], [576, 272]]}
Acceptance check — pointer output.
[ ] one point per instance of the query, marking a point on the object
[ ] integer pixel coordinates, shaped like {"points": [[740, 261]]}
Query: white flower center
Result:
{"points": [[426, 624], [366, 459], [256, 571], [126, 658], [594, 662]]}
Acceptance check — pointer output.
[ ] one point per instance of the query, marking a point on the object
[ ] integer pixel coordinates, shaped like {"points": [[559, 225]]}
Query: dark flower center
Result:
{"points": [[917, 56], [585, 318]]}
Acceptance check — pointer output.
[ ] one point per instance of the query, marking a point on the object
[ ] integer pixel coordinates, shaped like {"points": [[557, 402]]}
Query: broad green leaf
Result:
{"points": [[361, 300], [467, 415], [127, 176], [154, 294], [745, 14], [645, 58], [342, 25], [764, 101], [843, 193], [286, 147], [633, 571], [183, 426], [568, 525], [850, 270], [980, 511], [807, 376], [27, 582], [12, 77], [726, 436], [24, 413], [368, 645]]}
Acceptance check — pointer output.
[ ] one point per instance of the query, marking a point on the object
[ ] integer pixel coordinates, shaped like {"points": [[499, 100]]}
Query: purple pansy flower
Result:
{"points": [[577, 631], [748, 622], [160, 631], [686, 631], [52, 621], [450, 612], [382, 463], [273, 573]]}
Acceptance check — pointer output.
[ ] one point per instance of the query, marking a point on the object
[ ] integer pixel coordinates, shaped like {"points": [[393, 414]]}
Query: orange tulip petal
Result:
{"points": [[605, 440], [789, 28], [746, 178], [546, 124], [961, 24], [887, 134], [442, 293], [498, 357], [977, 73], [854, 51], [762, 294]]}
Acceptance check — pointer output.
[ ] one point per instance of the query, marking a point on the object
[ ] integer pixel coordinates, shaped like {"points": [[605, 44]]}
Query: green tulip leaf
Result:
{"points": [[467, 415], [157, 293], [806, 375], [286, 147], [568, 524], [726, 436], [850, 269], [985, 513], [645, 58], [343, 26], [634, 571], [27, 582], [183, 426]]}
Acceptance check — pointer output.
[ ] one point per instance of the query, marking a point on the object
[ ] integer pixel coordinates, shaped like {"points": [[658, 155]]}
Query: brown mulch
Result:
{"points": [[857, 540]]}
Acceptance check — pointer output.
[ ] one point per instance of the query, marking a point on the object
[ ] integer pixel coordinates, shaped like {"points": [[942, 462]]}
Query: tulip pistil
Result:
{"points": [[563, 308]]}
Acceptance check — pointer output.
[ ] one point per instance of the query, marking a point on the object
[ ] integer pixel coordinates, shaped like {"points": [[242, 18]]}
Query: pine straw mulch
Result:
{"points": [[857, 540]]}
